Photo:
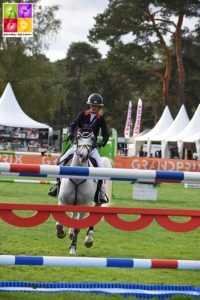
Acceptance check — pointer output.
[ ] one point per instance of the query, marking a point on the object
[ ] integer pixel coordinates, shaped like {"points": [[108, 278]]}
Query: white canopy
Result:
{"points": [[189, 131], [193, 138], [180, 122], [162, 125], [11, 113]]}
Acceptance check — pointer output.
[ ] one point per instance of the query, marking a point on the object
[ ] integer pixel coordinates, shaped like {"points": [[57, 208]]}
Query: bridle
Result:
{"points": [[85, 142]]}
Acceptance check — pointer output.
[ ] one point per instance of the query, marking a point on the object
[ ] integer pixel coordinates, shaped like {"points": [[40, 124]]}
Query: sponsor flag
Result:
{"points": [[136, 130], [127, 129]]}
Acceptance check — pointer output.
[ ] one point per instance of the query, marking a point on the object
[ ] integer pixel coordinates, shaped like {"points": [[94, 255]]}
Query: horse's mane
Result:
{"points": [[85, 132]]}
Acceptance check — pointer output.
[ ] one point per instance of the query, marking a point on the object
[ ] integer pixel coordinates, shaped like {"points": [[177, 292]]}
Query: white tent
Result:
{"points": [[11, 113], [195, 138], [131, 145], [191, 129], [180, 122], [162, 125]]}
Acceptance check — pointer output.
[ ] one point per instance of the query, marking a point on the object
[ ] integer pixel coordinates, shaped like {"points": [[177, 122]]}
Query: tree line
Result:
{"points": [[152, 55]]}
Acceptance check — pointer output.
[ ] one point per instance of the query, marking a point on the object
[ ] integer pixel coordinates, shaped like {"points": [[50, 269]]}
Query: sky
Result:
{"points": [[77, 17]]}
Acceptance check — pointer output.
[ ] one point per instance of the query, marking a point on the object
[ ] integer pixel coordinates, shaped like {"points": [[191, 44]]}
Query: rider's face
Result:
{"points": [[94, 108]]}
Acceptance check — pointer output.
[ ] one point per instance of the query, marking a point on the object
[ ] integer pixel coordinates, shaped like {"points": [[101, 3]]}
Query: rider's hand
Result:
{"points": [[70, 136], [99, 145]]}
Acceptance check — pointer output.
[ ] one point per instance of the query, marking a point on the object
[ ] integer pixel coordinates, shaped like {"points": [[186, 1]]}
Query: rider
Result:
{"points": [[96, 121]]}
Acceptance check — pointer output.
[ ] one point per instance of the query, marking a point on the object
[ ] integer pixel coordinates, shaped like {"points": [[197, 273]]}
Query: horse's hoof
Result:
{"points": [[61, 233], [72, 250], [88, 244], [89, 239]]}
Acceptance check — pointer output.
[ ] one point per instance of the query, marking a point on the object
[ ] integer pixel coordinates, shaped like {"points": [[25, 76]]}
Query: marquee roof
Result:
{"points": [[180, 122], [11, 113], [162, 125], [191, 129]]}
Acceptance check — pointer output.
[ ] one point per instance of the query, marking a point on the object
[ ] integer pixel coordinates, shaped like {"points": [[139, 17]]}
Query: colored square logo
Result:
{"points": [[17, 19], [24, 25], [9, 10], [10, 25], [25, 10]]}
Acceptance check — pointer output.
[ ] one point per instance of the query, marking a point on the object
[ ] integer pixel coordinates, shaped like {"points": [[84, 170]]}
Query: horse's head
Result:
{"points": [[85, 141]]}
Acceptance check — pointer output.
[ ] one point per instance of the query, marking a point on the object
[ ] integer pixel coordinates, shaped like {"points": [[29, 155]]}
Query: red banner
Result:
{"points": [[163, 164]]}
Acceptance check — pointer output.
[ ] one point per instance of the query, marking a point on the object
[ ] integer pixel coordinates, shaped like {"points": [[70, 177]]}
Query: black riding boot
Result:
{"points": [[55, 189], [100, 197]]}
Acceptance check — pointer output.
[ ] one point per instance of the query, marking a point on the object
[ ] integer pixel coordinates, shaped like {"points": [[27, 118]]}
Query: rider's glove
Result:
{"points": [[70, 136], [101, 144]]}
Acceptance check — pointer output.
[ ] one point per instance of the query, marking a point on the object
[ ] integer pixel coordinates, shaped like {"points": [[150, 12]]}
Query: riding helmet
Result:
{"points": [[95, 99]]}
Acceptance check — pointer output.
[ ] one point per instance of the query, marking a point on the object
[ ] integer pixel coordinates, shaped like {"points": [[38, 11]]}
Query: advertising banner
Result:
{"points": [[136, 129], [22, 159], [163, 164], [127, 129]]}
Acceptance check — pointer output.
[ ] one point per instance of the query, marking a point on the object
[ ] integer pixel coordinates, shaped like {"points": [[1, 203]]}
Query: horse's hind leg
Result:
{"points": [[72, 248], [89, 237]]}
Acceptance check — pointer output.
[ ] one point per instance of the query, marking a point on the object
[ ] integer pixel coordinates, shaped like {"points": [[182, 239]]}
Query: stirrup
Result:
{"points": [[101, 200], [104, 200]]}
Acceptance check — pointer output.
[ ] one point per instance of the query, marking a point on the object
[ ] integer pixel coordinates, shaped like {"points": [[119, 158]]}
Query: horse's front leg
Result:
{"points": [[72, 248], [89, 237], [61, 233], [90, 232], [75, 215], [73, 234]]}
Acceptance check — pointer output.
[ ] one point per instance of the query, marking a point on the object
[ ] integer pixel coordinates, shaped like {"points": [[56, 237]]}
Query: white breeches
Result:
{"points": [[94, 154]]}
